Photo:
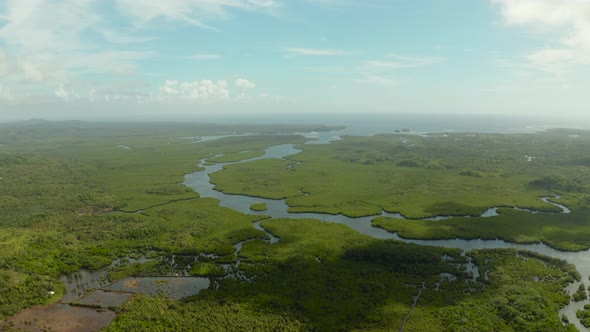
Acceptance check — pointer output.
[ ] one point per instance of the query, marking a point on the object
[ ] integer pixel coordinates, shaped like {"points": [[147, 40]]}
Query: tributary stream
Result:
{"points": [[200, 182]]}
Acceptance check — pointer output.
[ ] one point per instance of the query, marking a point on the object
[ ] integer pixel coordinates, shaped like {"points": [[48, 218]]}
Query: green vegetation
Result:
{"points": [[584, 315], [61, 185], [20, 291], [562, 231], [258, 206], [580, 294], [463, 174], [558, 183], [78, 195], [471, 173], [355, 283], [145, 313], [207, 269], [513, 299], [159, 157], [135, 270], [409, 163], [451, 174]]}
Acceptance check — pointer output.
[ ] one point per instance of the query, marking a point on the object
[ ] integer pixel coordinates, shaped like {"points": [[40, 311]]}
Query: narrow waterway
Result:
{"points": [[200, 182]]}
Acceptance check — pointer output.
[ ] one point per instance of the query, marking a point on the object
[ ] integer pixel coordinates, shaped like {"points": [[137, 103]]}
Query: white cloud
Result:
{"points": [[196, 90], [47, 44], [113, 94], [244, 84], [43, 25], [373, 71], [7, 65], [32, 72], [547, 12], [379, 66], [376, 80], [27, 69], [415, 61], [116, 37], [205, 56], [5, 94], [398, 62], [205, 90], [106, 61], [170, 88], [38, 33], [194, 12], [62, 93], [569, 18], [75, 45], [352, 4], [317, 52]]}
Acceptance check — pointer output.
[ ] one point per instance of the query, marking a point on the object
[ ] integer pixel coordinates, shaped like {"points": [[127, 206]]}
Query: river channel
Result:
{"points": [[200, 182]]}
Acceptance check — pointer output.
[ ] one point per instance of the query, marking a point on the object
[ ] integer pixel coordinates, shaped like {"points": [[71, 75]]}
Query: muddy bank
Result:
{"points": [[60, 318]]}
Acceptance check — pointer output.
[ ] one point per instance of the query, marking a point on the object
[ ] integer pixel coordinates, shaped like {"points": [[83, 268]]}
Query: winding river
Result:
{"points": [[200, 182]]}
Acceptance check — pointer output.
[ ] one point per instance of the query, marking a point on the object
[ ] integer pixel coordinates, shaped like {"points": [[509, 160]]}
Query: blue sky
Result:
{"points": [[129, 57]]}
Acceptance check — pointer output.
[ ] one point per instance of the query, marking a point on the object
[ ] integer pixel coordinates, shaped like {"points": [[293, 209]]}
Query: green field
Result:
{"points": [[259, 206], [66, 189], [79, 195], [351, 282], [450, 174], [562, 231]]}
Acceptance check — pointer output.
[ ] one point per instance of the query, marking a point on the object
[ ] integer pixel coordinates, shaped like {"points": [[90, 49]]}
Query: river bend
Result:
{"points": [[200, 182]]}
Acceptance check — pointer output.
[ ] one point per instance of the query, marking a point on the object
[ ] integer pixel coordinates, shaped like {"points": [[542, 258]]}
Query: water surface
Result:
{"points": [[200, 182]]}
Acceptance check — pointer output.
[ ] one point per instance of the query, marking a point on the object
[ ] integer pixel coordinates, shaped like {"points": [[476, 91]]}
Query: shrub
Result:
{"points": [[471, 173]]}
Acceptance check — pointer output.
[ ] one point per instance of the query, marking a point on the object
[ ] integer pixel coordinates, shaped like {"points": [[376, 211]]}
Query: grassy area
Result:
{"points": [[20, 291], [78, 195], [584, 315], [142, 165], [201, 226], [258, 206], [450, 174], [350, 282], [562, 231], [145, 313], [454, 174], [513, 300], [61, 185]]}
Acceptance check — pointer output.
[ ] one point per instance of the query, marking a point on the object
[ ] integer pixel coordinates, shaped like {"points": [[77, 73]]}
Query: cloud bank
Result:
{"points": [[569, 18]]}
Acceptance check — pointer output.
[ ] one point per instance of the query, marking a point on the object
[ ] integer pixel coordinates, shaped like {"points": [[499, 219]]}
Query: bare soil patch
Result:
{"points": [[59, 317]]}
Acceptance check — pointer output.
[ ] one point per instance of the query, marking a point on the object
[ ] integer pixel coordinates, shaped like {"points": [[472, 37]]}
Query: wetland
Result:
{"points": [[413, 232]]}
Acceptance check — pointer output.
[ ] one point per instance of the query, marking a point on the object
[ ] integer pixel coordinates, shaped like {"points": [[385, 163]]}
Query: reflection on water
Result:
{"points": [[105, 299], [172, 287], [80, 283]]}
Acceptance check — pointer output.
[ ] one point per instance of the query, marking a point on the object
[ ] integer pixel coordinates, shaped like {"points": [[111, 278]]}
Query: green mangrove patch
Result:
{"points": [[258, 206], [450, 174]]}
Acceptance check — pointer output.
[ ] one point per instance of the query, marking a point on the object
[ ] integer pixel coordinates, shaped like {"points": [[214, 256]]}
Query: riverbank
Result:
{"points": [[279, 209]]}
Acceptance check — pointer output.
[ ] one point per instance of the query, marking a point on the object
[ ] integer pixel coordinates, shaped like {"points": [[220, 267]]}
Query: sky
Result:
{"points": [[89, 59]]}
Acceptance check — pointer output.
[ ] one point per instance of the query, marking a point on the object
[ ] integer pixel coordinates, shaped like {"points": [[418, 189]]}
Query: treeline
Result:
{"points": [[560, 183], [160, 314]]}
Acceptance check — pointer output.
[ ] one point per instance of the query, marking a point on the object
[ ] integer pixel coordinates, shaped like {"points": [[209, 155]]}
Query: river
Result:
{"points": [[200, 182]]}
